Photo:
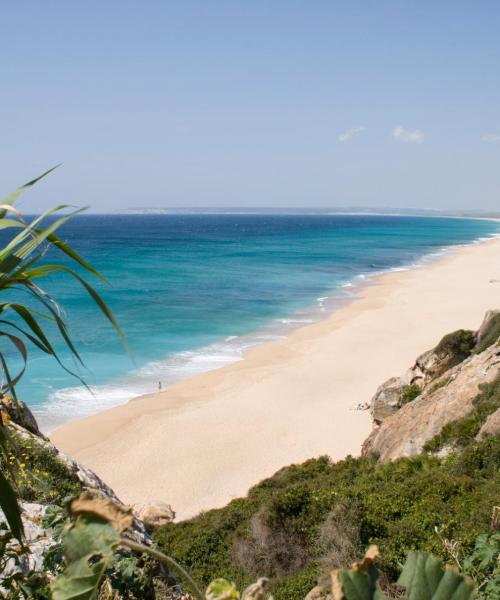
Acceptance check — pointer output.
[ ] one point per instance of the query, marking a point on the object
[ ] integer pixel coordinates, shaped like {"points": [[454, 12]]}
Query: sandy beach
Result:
{"points": [[207, 439]]}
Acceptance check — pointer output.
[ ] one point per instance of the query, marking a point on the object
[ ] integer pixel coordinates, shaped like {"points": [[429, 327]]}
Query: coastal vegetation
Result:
{"points": [[309, 519], [458, 345], [294, 535]]}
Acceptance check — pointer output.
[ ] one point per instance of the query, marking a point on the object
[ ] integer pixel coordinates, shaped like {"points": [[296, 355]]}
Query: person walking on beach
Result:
{"points": [[159, 386]]}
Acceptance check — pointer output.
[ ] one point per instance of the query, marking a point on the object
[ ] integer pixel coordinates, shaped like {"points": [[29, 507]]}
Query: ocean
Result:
{"points": [[192, 292]]}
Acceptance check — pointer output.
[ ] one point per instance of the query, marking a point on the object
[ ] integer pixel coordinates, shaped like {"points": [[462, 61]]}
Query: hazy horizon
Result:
{"points": [[279, 105]]}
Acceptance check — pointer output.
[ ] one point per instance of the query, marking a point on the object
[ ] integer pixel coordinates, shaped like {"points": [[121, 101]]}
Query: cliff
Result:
{"points": [[440, 388], [46, 479], [428, 479]]}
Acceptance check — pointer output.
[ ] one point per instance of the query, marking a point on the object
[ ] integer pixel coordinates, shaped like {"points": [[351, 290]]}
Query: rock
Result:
{"points": [[37, 539], [154, 514], [488, 326], [430, 368], [491, 426], [406, 431], [386, 400], [19, 413]]}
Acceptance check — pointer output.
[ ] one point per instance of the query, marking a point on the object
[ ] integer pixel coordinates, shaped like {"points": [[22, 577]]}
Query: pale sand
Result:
{"points": [[207, 439]]}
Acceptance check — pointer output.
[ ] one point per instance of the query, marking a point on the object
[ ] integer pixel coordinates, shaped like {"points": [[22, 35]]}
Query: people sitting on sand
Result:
{"points": [[362, 406]]}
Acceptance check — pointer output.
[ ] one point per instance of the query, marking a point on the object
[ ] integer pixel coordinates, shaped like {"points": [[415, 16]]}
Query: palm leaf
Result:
{"points": [[10, 507], [11, 198], [19, 267]]}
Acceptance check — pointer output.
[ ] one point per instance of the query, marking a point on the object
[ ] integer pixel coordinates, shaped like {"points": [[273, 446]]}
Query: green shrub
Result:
{"points": [[492, 336], [38, 474], [409, 393], [458, 344], [397, 506]]}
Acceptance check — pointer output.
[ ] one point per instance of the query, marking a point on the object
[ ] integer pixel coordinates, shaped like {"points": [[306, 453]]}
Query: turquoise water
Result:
{"points": [[192, 292]]}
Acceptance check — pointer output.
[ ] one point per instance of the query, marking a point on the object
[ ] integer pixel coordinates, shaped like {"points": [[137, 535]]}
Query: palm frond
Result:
{"points": [[22, 262]]}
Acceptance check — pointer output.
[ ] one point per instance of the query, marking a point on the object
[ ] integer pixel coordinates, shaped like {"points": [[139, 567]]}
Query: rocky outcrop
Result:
{"points": [[446, 394], [39, 532], [427, 369], [18, 413], [154, 514]]}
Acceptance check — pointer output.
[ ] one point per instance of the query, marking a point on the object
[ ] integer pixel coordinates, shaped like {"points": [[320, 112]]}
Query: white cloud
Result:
{"points": [[404, 135], [348, 135], [490, 137]]}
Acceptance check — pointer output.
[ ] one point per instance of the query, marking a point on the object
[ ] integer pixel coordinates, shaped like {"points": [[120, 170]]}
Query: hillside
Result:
{"points": [[428, 479], [431, 463]]}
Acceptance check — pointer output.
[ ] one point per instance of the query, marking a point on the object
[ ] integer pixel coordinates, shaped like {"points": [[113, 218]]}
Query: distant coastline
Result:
{"points": [[352, 211]]}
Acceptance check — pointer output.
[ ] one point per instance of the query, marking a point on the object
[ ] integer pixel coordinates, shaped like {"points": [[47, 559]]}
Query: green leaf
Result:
{"points": [[15, 195], [10, 507], [88, 547], [21, 348], [424, 578], [358, 585]]}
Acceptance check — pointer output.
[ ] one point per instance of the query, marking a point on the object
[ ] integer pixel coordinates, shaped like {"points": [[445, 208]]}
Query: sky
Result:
{"points": [[232, 103]]}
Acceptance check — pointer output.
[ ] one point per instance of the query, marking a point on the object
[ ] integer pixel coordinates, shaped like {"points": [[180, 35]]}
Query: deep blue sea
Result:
{"points": [[192, 292]]}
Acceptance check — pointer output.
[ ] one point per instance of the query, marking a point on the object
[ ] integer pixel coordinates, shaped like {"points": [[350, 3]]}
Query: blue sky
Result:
{"points": [[252, 103]]}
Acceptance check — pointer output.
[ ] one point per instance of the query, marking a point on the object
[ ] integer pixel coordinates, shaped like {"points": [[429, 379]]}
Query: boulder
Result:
{"points": [[154, 514], [386, 400], [19, 413], [453, 349]]}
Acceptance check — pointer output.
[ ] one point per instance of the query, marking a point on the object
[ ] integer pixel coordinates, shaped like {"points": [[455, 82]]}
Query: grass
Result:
{"points": [[308, 518], [458, 345], [409, 393], [38, 473], [492, 336]]}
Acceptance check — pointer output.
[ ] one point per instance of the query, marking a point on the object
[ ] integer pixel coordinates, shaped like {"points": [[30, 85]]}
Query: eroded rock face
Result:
{"points": [[154, 514], [406, 431]]}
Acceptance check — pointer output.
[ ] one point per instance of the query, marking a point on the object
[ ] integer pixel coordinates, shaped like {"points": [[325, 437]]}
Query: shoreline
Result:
{"points": [[227, 351], [208, 438]]}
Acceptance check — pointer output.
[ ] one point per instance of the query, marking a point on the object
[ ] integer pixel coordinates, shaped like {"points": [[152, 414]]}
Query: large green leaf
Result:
{"points": [[88, 546], [14, 196], [10, 507], [21, 268], [424, 578]]}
